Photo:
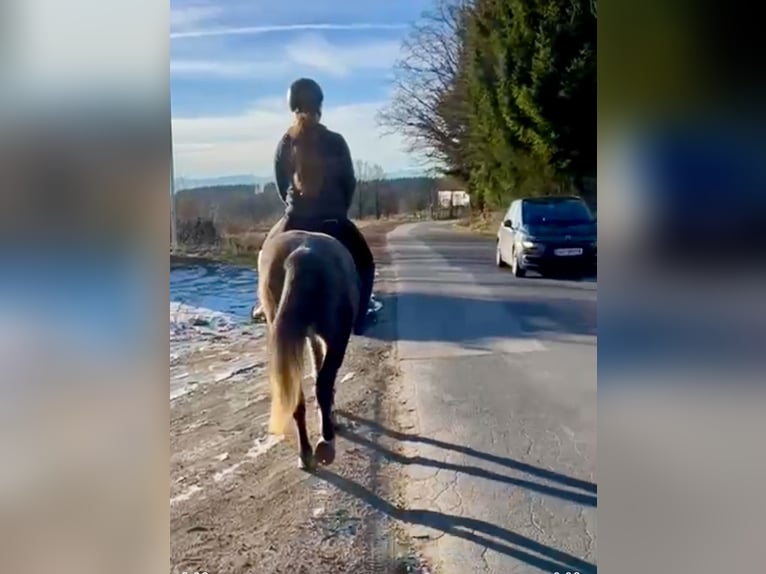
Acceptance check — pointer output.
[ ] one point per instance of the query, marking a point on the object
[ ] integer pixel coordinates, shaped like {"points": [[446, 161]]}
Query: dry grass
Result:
{"points": [[242, 247], [482, 223], [400, 218], [245, 243]]}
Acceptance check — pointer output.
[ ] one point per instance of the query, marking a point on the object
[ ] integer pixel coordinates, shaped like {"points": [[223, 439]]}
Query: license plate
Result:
{"points": [[568, 252]]}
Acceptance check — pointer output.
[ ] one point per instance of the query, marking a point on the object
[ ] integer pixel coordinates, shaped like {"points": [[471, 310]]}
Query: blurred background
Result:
{"points": [[682, 178], [84, 178]]}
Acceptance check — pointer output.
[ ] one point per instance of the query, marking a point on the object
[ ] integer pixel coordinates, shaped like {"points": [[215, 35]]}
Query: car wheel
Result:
{"points": [[499, 257], [516, 268]]}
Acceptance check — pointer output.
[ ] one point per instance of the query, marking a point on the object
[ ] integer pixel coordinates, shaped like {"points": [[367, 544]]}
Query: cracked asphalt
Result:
{"points": [[501, 457]]}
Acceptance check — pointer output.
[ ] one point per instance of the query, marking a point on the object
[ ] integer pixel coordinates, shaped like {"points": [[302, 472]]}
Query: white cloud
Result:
{"points": [[312, 52], [186, 17], [316, 52], [225, 68], [245, 143], [255, 30]]}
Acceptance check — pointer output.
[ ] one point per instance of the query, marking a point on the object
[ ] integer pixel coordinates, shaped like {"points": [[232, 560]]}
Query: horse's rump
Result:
{"points": [[308, 288]]}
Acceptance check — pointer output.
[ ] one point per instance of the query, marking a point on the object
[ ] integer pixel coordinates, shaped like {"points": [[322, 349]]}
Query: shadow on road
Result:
{"points": [[500, 280], [468, 451], [569, 495], [477, 531], [469, 321], [473, 530]]}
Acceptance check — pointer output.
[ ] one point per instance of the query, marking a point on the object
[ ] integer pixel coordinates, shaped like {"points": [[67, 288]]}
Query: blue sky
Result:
{"points": [[231, 63]]}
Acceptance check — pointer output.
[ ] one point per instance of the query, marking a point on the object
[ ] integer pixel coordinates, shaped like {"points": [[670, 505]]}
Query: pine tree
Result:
{"points": [[530, 76]]}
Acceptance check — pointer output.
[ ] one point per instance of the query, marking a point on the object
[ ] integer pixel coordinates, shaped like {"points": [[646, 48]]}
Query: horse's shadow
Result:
{"points": [[571, 496], [576, 483], [470, 529]]}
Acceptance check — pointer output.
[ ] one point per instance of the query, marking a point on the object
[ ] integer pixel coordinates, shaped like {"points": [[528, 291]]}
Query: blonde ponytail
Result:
{"points": [[306, 158]]}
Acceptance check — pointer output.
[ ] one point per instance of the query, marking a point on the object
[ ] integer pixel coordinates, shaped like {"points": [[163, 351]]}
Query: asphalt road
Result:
{"points": [[503, 377]]}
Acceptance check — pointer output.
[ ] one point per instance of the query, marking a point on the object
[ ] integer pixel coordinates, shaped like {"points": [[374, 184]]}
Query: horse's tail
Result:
{"points": [[288, 335]]}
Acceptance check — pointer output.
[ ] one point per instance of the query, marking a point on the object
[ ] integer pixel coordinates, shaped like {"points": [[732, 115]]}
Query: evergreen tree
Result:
{"points": [[530, 75], [502, 94]]}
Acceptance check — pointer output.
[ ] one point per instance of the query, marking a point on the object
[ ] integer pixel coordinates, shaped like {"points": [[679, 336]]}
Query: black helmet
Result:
{"points": [[305, 95]]}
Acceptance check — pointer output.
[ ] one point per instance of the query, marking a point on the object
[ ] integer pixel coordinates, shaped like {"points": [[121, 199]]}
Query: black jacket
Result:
{"points": [[334, 199]]}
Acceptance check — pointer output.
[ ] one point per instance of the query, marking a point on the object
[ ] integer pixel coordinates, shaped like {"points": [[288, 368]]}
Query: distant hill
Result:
{"points": [[249, 179], [227, 180], [406, 174]]}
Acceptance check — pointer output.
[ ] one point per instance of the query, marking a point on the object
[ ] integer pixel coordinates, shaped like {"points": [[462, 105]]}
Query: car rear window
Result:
{"points": [[569, 211]]}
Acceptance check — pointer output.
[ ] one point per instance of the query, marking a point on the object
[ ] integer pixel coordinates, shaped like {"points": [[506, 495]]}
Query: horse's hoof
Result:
{"points": [[257, 314], [325, 451], [307, 462]]}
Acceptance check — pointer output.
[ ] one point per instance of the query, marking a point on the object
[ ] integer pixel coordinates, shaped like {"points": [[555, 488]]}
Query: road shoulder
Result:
{"points": [[238, 502]]}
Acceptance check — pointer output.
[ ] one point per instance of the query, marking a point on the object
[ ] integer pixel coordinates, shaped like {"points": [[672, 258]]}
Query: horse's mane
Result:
{"points": [[306, 158]]}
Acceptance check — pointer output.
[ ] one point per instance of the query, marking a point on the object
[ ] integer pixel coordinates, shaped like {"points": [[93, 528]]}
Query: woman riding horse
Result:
{"points": [[316, 181]]}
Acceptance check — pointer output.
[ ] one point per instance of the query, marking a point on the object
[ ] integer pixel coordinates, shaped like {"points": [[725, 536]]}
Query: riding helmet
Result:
{"points": [[305, 95]]}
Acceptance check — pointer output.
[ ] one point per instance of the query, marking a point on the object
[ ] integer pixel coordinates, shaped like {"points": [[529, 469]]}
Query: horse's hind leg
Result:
{"points": [[307, 460], [325, 394], [318, 352]]}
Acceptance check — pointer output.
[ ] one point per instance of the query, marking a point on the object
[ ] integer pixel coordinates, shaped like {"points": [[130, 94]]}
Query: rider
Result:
{"points": [[316, 181]]}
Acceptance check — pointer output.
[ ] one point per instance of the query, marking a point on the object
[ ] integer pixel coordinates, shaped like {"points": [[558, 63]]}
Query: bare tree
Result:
{"points": [[427, 106], [370, 180], [362, 169], [377, 177]]}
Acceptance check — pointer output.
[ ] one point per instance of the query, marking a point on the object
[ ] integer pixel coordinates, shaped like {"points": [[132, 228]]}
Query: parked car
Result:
{"points": [[547, 234]]}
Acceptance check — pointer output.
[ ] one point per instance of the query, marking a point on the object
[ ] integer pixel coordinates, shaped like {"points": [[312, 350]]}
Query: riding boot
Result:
{"points": [[367, 279]]}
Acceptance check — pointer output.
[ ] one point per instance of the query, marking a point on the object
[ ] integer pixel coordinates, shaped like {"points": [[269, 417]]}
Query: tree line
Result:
{"points": [[501, 94], [233, 209]]}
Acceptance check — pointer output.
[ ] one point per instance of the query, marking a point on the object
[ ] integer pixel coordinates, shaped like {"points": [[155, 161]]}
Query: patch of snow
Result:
{"points": [[220, 377], [260, 447], [374, 305], [178, 391], [219, 476], [187, 320], [200, 348], [186, 495], [240, 370], [264, 445]]}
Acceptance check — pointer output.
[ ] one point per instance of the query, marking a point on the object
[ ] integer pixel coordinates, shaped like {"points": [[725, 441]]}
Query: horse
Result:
{"points": [[309, 292]]}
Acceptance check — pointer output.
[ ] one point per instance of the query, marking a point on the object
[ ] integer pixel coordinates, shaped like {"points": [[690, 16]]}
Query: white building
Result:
{"points": [[455, 198]]}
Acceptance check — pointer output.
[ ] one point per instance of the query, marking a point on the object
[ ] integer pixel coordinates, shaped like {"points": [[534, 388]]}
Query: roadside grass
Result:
{"points": [[484, 223], [241, 248]]}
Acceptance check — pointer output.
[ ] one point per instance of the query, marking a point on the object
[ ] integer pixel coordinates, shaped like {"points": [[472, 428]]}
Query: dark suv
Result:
{"points": [[547, 234]]}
